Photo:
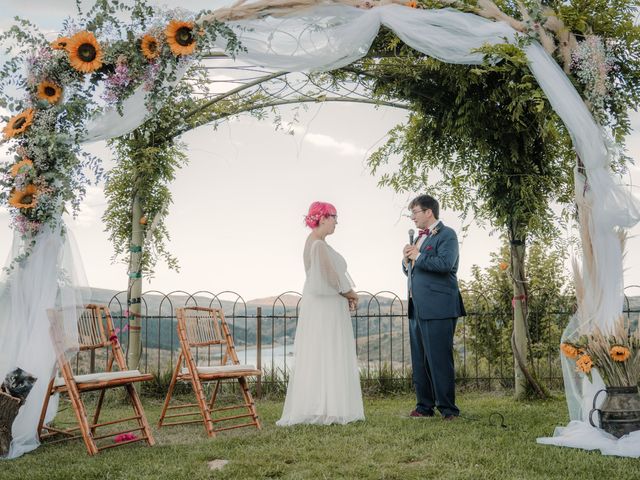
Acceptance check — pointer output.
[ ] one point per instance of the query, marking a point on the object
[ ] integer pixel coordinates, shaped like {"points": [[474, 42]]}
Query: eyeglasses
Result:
{"points": [[414, 213], [335, 217]]}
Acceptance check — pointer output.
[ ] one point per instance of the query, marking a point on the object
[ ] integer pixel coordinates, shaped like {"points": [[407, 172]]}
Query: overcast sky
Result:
{"points": [[236, 221]]}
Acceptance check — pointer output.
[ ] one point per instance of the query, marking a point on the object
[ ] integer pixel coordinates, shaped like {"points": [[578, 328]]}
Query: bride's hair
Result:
{"points": [[318, 211]]}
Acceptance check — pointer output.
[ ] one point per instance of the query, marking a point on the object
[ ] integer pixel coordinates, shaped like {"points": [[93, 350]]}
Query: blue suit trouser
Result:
{"points": [[434, 376]]}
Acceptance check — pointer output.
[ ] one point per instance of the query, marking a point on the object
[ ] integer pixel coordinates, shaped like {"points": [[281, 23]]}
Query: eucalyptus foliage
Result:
{"points": [[484, 139]]}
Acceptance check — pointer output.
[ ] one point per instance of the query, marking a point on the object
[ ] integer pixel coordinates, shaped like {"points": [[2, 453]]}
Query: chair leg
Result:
{"points": [[172, 385], [142, 419], [202, 403], [96, 415], [43, 412], [249, 401], [81, 415], [214, 395]]}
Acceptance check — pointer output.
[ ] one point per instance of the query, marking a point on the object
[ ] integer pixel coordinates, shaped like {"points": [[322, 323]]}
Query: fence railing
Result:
{"points": [[264, 334]]}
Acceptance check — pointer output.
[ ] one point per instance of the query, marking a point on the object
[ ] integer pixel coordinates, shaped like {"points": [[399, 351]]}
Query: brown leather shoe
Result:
{"points": [[416, 414]]}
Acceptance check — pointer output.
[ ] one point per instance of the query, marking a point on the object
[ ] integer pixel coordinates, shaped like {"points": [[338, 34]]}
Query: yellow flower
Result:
{"points": [[180, 37], [503, 266], [570, 351], [49, 91], [60, 43], [150, 47], [412, 4], [584, 364], [23, 165], [26, 198], [85, 53], [619, 353], [18, 124]]}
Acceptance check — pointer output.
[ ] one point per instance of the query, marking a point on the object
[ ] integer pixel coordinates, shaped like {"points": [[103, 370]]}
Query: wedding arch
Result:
{"points": [[102, 78]]}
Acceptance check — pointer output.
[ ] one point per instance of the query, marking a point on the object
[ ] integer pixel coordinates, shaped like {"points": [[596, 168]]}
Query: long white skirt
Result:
{"points": [[324, 385]]}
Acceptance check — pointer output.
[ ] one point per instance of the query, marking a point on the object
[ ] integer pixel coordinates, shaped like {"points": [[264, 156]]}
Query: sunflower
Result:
{"points": [[60, 43], [26, 198], [22, 166], [619, 353], [180, 37], [570, 351], [584, 364], [85, 53], [49, 91], [18, 124], [150, 46]]}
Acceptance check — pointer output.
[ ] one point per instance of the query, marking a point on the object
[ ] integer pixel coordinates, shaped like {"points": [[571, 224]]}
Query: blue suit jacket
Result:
{"points": [[434, 283]]}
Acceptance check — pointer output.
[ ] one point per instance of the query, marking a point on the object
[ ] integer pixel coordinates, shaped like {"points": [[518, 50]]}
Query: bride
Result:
{"points": [[324, 385]]}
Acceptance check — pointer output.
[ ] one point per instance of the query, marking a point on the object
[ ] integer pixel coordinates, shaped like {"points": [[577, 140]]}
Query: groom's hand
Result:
{"points": [[411, 252]]}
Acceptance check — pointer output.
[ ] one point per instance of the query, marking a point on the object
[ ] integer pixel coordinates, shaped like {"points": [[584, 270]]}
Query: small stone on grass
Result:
{"points": [[217, 464]]}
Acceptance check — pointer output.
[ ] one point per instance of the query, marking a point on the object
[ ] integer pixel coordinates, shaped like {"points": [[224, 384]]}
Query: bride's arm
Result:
{"points": [[323, 272]]}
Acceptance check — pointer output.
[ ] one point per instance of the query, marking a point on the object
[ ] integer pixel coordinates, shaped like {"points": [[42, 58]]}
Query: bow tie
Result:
{"points": [[426, 232]]}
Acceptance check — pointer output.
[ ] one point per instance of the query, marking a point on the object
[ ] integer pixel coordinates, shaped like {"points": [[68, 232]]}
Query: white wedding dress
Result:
{"points": [[324, 385]]}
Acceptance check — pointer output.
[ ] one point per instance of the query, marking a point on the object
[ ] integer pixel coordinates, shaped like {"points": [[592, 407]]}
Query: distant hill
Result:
{"points": [[287, 299]]}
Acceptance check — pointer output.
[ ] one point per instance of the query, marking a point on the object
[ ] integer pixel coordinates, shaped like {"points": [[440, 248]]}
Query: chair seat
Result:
{"points": [[226, 369], [100, 377]]}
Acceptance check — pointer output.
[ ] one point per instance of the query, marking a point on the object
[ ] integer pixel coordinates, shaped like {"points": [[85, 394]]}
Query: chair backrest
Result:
{"points": [[95, 331], [91, 328], [204, 327], [201, 326]]}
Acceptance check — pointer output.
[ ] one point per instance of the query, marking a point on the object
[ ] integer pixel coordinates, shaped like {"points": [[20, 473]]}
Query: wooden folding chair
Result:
{"points": [[200, 327], [95, 332]]}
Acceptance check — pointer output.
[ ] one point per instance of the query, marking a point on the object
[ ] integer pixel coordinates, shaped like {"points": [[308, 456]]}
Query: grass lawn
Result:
{"points": [[388, 445]]}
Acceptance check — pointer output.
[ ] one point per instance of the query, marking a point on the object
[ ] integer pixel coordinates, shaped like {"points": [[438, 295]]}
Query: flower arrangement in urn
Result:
{"points": [[615, 354]]}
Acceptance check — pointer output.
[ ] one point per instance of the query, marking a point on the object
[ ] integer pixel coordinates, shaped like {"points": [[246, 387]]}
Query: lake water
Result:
{"points": [[272, 358]]}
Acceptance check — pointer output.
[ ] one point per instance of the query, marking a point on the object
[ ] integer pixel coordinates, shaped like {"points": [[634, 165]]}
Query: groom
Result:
{"points": [[435, 304]]}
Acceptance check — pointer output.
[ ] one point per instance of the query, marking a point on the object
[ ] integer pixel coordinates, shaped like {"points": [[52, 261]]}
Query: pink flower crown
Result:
{"points": [[313, 218]]}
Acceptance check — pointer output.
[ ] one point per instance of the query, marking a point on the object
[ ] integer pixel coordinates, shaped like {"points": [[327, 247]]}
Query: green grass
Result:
{"points": [[388, 445]]}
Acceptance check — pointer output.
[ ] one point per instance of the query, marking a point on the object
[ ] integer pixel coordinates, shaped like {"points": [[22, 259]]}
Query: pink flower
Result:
{"points": [[429, 247], [125, 437]]}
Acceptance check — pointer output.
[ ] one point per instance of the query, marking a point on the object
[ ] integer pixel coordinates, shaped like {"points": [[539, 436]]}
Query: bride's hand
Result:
{"points": [[353, 299]]}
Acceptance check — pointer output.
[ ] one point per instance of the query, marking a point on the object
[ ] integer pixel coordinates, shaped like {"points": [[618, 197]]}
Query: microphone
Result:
{"points": [[412, 232]]}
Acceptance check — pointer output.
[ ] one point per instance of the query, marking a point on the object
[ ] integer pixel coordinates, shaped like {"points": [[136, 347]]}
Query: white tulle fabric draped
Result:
{"points": [[51, 277], [324, 384], [320, 39]]}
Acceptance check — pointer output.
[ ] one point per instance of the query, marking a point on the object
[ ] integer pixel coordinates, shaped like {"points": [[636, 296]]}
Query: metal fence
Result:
{"points": [[263, 334]]}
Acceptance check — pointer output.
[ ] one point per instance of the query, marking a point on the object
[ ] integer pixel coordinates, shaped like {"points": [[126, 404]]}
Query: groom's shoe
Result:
{"points": [[449, 417], [417, 414]]}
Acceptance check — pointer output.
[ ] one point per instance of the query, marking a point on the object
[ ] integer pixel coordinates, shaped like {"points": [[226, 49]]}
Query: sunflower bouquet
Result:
{"points": [[96, 64], [616, 354]]}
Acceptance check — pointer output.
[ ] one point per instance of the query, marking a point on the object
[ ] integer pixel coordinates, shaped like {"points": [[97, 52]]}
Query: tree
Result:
{"points": [[484, 138], [488, 294]]}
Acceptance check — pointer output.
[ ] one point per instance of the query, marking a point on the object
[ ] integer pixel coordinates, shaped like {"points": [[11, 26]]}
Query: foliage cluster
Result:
{"points": [[483, 138]]}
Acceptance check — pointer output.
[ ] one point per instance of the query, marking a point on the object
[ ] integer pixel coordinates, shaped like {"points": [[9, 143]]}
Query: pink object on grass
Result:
{"points": [[125, 437]]}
